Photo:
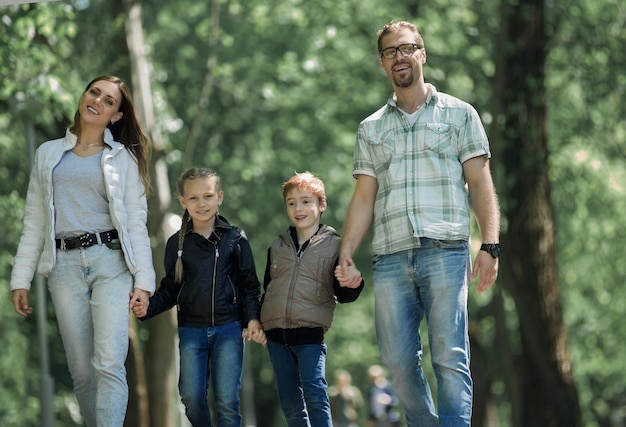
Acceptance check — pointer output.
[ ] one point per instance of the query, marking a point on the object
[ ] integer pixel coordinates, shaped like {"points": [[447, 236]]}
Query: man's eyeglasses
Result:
{"points": [[405, 50]]}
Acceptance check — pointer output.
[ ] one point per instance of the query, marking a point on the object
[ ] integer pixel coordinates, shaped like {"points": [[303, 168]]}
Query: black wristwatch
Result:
{"points": [[494, 249]]}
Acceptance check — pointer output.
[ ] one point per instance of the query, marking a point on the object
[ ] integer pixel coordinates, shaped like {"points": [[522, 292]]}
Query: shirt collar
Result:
{"points": [[432, 96]]}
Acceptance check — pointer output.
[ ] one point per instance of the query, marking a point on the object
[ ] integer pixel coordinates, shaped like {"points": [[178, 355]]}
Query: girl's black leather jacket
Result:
{"points": [[219, 284]]}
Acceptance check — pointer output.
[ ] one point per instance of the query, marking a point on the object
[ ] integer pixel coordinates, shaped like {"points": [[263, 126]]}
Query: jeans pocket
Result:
{"points": [[114, 246]]}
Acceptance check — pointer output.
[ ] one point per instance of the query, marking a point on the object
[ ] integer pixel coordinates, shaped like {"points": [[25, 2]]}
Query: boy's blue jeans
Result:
{"points": [[211, 354], [429, 282], [300, 371]]}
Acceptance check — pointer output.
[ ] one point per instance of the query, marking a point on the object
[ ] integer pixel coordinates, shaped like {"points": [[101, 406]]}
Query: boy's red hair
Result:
{"points": [[306, 181]]}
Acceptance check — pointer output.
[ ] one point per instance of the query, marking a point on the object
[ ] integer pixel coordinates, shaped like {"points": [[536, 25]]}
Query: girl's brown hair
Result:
{"points": [[127, 130], [190, 175]]}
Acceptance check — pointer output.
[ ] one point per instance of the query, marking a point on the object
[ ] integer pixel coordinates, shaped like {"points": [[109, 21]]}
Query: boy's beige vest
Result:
{"points": [[301, 292]]}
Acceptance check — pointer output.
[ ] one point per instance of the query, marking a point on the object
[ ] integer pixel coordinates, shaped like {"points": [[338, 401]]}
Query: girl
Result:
{"points": [[85, 229], [211, 278]]}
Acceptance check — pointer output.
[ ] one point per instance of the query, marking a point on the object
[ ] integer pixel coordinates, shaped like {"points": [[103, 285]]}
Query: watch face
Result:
{"points": [[493, 249]]}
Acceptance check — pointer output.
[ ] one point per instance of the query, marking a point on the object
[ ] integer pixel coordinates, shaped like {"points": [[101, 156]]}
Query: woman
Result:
{"points": [[85, 229]]}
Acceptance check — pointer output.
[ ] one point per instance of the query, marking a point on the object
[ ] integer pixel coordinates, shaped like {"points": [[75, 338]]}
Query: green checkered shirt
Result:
{"points": [[419, 169]]}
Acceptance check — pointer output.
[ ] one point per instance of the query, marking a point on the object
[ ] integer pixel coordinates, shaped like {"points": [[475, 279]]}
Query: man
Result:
{"points": [[421, 162]]}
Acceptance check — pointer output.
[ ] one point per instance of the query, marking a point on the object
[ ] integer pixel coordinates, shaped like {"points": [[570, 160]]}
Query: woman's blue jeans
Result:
{"points": [[300, 379], [430, 282], [212, 354], [89, 289]]}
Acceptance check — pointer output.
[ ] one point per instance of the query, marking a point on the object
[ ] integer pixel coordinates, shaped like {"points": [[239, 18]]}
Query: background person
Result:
{"points": [[383, 411], [346, 400]]}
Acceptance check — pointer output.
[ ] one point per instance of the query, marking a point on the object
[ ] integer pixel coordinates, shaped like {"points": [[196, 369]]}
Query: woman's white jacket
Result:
{"points": [[127, 206]]}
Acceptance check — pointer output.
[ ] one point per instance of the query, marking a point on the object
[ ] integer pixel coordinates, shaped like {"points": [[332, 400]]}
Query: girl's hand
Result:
{"points": [[255, 332], [139, 301]]}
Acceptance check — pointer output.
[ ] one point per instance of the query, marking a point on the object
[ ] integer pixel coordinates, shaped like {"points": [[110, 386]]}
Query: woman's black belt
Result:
{"points": [[86, 240]]}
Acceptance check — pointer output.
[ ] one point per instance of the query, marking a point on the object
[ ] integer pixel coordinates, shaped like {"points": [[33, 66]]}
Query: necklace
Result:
{"points": [[95, 144]]}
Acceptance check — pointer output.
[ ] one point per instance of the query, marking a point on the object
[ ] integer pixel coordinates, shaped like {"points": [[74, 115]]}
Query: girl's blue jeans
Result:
{"points": [[215, 355]]}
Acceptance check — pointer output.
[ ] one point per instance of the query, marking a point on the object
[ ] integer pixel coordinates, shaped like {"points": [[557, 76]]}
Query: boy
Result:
{"points": [[299, 300]]}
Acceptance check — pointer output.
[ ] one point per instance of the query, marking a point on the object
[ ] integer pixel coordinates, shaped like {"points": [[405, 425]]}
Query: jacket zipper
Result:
{"points": [[217, 255], [292, 285]]}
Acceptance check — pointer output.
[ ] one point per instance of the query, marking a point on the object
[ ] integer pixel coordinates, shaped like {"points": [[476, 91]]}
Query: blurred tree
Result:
{"points": [[586, 87], [547, 394], [156, 383]]}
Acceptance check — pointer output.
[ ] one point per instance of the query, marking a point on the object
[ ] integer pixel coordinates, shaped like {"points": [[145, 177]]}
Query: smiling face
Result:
{"points": [[202, 199], [100, 104], [304, 210], [403, 71]]}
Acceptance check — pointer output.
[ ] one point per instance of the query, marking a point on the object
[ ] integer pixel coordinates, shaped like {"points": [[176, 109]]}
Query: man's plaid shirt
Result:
{"points": [[419, 169]]}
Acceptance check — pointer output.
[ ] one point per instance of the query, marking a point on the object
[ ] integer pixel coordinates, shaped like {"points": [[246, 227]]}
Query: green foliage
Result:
{"points": [[35, 40], [586, 86]]}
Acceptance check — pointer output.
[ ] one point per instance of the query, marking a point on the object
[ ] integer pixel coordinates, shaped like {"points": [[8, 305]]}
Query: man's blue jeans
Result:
{"points": [[430, 282], [302, 388], [211, 354]]}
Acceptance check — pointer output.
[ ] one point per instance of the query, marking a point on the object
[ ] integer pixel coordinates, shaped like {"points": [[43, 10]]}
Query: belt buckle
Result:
{"points": [[63, 245]]}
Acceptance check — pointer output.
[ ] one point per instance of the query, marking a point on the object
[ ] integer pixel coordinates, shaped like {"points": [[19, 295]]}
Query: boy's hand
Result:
{"points": [[347, 274], [255, 332]]}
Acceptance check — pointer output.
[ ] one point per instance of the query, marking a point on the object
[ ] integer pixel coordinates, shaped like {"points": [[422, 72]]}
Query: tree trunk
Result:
{"points": [[138, 415], [548, 395], [160, 369], [202, 103]]}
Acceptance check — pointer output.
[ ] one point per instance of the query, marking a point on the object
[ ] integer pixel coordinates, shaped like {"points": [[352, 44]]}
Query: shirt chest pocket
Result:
{"points": [[438, 137], [385, 146]]}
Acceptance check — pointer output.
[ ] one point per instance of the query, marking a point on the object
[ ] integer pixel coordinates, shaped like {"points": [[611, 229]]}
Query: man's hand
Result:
{"points": [[487, 266]]}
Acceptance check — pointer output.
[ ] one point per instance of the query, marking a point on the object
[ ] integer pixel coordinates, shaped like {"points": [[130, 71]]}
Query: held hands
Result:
{"points": [[139, 301], [20, 302], [255, 332], [347, 274], [487, 266]]}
